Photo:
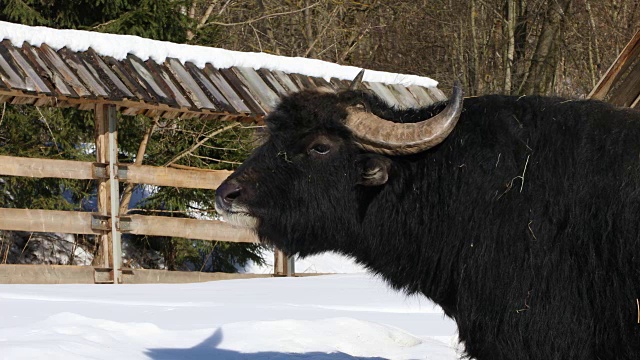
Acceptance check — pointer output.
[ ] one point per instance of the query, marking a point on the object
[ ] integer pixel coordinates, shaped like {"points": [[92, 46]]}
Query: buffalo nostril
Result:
{"points": [[226, 194], [229, 197]]}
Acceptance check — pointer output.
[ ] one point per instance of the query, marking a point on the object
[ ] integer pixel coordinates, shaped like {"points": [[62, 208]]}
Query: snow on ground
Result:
{"points": [[326, 263], [118, 46], [332, 317]]}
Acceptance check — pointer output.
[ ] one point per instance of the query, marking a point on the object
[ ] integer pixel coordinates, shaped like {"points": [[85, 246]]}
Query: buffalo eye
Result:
{"points": [[320, 149]]}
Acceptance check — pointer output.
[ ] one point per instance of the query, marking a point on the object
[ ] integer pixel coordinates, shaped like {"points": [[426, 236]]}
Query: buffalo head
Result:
{"points": [[324, 156]]}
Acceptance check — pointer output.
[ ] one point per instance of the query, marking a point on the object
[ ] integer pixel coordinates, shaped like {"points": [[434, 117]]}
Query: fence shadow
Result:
{"points": [[208, 350]]}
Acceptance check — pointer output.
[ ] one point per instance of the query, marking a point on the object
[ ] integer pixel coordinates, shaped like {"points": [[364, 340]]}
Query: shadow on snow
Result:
{"points": [[208, 350]]}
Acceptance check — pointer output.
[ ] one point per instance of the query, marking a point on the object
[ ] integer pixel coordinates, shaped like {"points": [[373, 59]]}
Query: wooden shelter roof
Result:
{"points": [[621, 83], [43, 76]]}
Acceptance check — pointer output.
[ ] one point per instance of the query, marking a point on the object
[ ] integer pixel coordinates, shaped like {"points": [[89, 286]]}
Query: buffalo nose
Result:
{"points": [[227, 193]]}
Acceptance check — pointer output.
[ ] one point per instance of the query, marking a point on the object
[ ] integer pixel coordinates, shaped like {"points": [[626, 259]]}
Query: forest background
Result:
{"points": [[518, 47]]}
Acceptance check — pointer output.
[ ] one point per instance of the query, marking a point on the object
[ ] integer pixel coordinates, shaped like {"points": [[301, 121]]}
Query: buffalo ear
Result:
{"points": [[374, 170]]}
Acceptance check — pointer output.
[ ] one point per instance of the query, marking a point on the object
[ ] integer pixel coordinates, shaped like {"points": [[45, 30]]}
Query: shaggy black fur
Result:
{"points": [[523, 224]]}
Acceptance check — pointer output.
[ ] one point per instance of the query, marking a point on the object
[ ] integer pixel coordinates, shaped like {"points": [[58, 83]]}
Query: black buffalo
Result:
{"points": [[522, 221]]}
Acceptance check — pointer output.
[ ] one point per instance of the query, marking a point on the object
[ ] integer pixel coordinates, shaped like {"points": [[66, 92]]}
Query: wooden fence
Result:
{"points": [[107, 223]]}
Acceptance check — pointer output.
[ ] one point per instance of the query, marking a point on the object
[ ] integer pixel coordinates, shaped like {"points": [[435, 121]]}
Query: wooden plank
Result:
{"points": [[421, 95], [382, 92], [164, 176], [117, 89], [229, 93], [132, 84], [46, 101], [630, 51], [143, 174], [70, 274], [103, 196], [302, 81], [149, 276], [212, 230], [270, 80], [172, 86], [259, 89], [49, 75], [340, 84], [436, 94], [10, 73], [242, 90], [212, 92], [92, 83], [626, 90], [400, 101], [45, 168], [138, 69], [285, 81], [45, 274], [403, 94], [28, 69], [322, 83], [191, 87], [23, 100], [53, 60], [70, 222]]}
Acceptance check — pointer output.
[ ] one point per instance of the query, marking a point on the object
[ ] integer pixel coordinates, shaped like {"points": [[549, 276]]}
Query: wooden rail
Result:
{"points": [[45, 168], [72, 222], [129, 173], [75, 222], [213, 230]]}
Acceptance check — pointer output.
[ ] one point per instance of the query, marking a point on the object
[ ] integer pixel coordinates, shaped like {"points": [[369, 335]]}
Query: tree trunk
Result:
{"points": [[510, 32], [540, 76]]}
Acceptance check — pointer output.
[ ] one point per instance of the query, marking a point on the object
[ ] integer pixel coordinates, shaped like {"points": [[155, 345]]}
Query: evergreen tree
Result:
{"points": [[68, 133]]}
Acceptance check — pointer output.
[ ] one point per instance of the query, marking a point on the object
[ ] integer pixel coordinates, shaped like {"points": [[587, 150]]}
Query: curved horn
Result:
{"points": [[381, 136], [355, 83]]}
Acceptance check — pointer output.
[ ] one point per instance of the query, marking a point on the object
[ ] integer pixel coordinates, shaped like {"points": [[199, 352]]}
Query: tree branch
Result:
{"points": [[197, 145], [264, 17]]}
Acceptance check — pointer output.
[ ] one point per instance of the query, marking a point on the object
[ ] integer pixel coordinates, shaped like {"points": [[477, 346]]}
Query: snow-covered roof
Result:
{"points": [[38, 64]]}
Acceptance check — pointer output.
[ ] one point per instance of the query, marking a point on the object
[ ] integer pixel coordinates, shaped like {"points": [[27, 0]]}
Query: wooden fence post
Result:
{"points": [[112, 119], [283, 265], [108, 189], [102, 157]]}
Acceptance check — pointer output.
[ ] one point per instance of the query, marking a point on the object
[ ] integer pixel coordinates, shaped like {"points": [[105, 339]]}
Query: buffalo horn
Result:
{"points": [[378, 135], [355, 84]]}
